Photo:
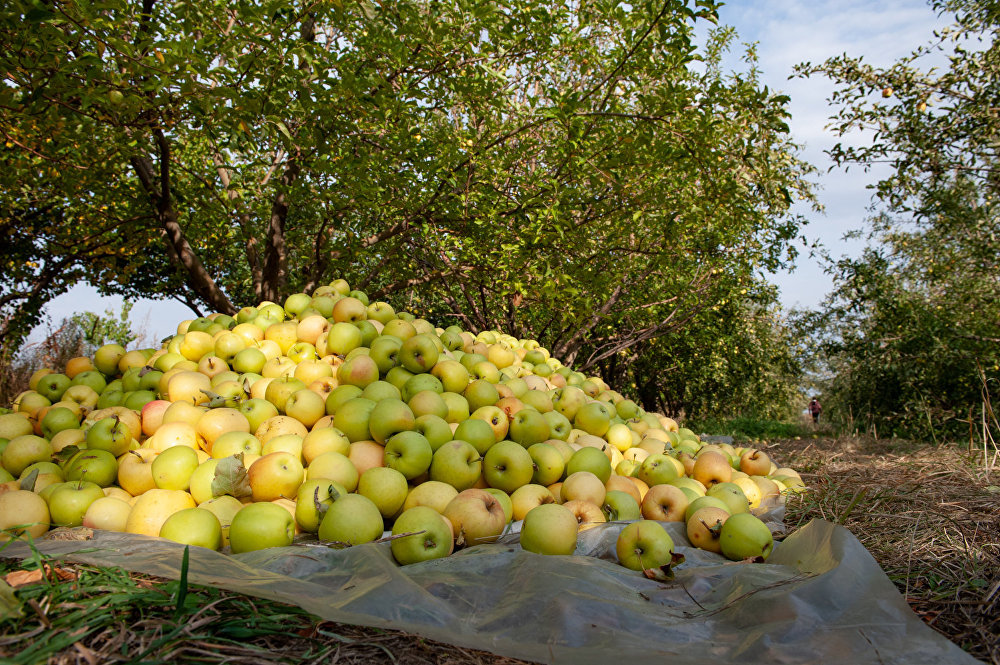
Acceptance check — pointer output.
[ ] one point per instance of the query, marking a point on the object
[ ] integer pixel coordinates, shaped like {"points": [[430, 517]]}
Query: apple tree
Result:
{"points": [[583, 173], [910, 332]]}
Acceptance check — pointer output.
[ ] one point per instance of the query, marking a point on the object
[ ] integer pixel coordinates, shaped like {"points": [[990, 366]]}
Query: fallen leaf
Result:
{"points": [[10, 606], [20, 578]]}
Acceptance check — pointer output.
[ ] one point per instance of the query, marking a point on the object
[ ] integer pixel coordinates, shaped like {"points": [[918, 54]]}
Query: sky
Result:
{"points": [[787, 32]]}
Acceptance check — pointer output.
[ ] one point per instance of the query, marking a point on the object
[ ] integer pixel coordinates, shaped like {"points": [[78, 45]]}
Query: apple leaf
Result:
{"points": [[28, 483], [322, 506], [664, 573], [65, 454], [10, 606], [231, 477]]}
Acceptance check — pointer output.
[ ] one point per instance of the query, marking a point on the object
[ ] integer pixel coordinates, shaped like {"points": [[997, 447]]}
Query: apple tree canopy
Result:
{"points": [[909, 334], [581, 172]]}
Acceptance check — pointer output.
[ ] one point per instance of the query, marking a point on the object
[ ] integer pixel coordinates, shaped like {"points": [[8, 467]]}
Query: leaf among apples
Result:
{"points": [[664, 573], [28, 482], [65, 454], [231, 477]]}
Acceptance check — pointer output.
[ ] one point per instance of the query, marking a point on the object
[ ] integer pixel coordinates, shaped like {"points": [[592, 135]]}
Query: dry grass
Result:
{"points": [[927, 515]]}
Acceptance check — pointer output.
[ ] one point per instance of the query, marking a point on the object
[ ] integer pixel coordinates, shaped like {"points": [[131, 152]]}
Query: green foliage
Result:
{"points": [[910, 332], [111, 328], [579, 173]]}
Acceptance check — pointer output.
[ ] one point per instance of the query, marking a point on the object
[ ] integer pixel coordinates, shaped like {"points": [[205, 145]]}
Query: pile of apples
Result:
{"points": [[343, 418]]}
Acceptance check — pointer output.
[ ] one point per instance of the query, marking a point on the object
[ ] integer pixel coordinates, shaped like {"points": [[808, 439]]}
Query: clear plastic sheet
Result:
{"points": [[820, 598]]}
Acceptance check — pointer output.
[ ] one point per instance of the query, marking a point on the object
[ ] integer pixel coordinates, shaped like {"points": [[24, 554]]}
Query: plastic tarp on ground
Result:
{"points": [[820, 598]]}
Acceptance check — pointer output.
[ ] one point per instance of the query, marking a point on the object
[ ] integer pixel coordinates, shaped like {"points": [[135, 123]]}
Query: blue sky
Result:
{"points": [[787, 32]]}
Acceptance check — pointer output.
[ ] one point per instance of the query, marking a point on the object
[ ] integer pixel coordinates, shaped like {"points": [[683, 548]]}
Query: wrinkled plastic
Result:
{"points": [[820, 598]]}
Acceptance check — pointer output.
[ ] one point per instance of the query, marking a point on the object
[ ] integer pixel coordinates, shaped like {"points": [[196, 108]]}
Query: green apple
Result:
{"points": [[732, 495], [528, 427], [353, 519], [26, 513], [457, 463], [458, 407], [13, 425], [385, 487], [398, 376], [644, 545], [340, 395], [281, 389], [173, 467], [353, 418], [418, 383], [452, 374], [313, 500], [224, 508], [620, 506], [419, 353], [358, 371], [559, 425], [505, 500], [547, 463], [57, 419], [110, 434], [477, 432], [388, 417], [704, 502], [435, 429], [384, 351], [480, 393], [52, 386], [431, 536], [381, 312], [261, 525], [257, 411], [68, 503], [97, 466], [250, 360], [494, 417], [431, 493], [232, 443], [409, 453], [704, 528], [324, 440], [744, 536], [592, 460], [335, 466], [428, 402], [568, 401], [507, 466], [593, 418], [343, 338], [193, 526], [306, 406], [380, 390], [549, 529], [657, 469], [23, 451]]}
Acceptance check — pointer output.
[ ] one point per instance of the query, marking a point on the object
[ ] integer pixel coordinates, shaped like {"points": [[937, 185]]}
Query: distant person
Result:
{"points": [[815, 409]]}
